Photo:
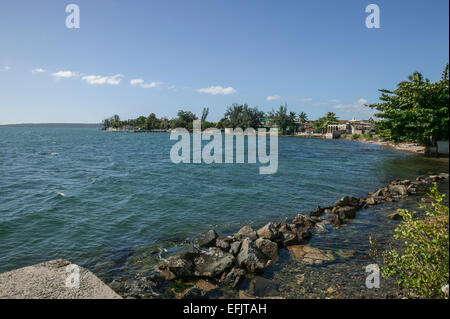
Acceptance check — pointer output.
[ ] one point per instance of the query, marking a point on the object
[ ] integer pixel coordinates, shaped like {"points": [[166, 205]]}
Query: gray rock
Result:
{"points": [[234, 247], [197, 263], [399, 189], [209, 239], [268, 248], [347, 201], [213, 263], [444, 176], [250, 257], [345, 212], [246, 232], [224, 242], [233, 277], [316, 212], [269, 231]]}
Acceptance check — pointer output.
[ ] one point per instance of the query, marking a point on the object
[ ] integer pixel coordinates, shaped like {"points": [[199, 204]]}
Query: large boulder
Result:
{"points": [[345, 212], [250, 257], [209, 239], [302, 231], [268, 248], [347, 201], [180, 265], [398, 190], [213, 263], [269, 231], [235, 247], [303, 220], [224, 242], [197, 263], [245, 232]]}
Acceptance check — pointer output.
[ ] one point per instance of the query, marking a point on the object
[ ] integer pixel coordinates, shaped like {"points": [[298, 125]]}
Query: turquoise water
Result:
{"points": [[83, 194]]}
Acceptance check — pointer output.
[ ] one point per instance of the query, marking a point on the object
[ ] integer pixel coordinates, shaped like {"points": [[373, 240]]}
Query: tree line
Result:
{"points": [[237, 115]]}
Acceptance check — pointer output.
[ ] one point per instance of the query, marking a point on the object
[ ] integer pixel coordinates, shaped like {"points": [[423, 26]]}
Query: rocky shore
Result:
{"points": [[214, 261]]}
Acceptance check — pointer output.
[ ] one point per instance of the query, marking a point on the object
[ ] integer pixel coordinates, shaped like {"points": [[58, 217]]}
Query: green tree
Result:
{"points": [[418, 110], [421, 265], [185, 119], [241, 116], [280, 118], [302, 117], [321, 124], [151, 122]]}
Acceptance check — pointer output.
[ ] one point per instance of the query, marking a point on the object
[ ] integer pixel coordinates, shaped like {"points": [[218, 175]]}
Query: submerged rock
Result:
{"points": [[310, 255], [262, 287], [193, 293], [394, 216]]}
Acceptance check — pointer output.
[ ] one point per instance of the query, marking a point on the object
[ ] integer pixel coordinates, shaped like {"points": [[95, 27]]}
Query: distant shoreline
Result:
{"points": [[62, 125]]}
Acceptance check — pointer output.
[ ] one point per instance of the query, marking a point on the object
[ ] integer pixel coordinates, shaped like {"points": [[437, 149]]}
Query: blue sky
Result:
{"points": [[316, 56]]}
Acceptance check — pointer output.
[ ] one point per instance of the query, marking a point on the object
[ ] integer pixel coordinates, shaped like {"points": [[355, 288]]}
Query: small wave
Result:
{"points": [[60, 194]]}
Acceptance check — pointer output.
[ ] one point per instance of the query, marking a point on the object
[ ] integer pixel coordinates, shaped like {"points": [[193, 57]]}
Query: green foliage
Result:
{"points": [[302, 117], [241, 116], [367, 136], [422, 266], [280, 118], [418, 110], [322, 123], [355, 136]]}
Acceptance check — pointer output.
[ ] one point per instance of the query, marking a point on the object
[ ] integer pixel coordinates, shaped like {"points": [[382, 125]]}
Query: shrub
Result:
{"points": [[355, 136], [421, 266], [367, 136]]}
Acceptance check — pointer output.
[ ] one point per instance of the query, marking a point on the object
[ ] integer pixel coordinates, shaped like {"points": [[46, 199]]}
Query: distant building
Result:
{"points": [[352, 126]]}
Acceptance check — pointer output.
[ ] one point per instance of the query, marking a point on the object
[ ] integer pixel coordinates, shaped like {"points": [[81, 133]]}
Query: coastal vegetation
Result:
{"points": [[417, 111], [236, 115], [422, 265]]}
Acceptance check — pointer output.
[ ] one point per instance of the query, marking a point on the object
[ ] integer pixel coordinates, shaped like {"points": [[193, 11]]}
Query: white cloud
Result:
{"points": [[100, 80], [38, 70], [64, 74], [274, 98], [334, 100], [308, 99], [6, 68], [136, 81], [215, 90], [358, 105], [144, 85]]}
